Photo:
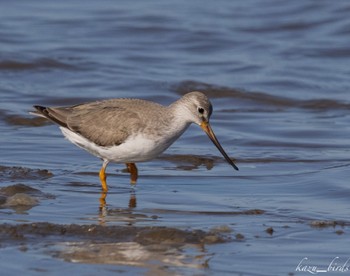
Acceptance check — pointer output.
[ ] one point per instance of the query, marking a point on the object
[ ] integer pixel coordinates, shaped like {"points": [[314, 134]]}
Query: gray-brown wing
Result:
{"points": [[105, 123]]}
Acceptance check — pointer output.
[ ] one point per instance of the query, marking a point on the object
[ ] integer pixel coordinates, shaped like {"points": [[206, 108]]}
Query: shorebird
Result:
{"points": [[131, 130]]}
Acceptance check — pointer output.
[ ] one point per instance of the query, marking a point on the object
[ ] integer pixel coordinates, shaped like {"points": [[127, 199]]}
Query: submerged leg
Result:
{"points": [[103, 176], [132, 169], [103, 201]]}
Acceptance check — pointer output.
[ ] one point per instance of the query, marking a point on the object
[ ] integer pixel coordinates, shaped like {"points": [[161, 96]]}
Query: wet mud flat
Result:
{"points": [[144, 246], [126, 245], [21, 197]]}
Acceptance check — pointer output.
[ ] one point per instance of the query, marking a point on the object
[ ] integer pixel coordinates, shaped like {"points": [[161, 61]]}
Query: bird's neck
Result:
{"points": [[180, 119]]}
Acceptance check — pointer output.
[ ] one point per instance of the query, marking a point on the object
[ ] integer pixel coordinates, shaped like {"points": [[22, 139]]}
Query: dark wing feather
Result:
{"points": [[43, 111]]}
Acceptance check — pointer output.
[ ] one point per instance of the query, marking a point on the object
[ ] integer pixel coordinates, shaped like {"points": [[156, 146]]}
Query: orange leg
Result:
{"points": [[132, 169], [103, 176]]}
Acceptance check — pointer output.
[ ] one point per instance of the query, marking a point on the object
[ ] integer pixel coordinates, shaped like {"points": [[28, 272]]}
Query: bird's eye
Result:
{"points": [[200, 110]]}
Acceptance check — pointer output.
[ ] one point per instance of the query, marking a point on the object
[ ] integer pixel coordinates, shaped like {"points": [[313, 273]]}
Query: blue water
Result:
{"points": [[277, 73]]}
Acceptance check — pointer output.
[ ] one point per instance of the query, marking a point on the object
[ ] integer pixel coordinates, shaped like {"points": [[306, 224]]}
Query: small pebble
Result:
{"points": [[269, 230]]}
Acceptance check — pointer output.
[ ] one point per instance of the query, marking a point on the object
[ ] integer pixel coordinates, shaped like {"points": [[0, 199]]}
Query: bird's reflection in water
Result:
{"points": [[103, 210], [132, 200]]}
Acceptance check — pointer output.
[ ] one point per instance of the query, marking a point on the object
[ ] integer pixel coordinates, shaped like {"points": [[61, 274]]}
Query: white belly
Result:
{"points": [[135, 149]]}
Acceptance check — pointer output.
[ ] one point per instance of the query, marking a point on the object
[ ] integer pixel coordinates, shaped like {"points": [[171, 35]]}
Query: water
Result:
{"points": [[277, 74]]}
